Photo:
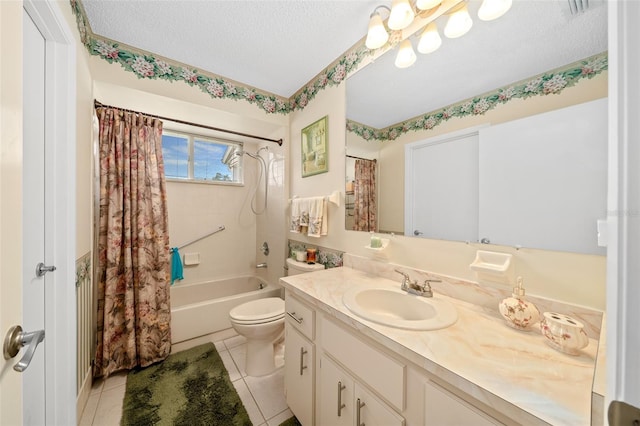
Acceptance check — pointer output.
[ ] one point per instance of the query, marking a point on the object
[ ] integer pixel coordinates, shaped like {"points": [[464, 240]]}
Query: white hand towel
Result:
{"points": [[295, 215], [317, 217]]}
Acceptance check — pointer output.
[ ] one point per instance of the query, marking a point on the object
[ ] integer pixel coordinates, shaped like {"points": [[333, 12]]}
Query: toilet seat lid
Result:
{"points": [[260, 310]]}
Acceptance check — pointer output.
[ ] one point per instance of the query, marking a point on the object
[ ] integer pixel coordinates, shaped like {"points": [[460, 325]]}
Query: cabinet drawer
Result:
{"points": [[383, 373], [300, 316]]}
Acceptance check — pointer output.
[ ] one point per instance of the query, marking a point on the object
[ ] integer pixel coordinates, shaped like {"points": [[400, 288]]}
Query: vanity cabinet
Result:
{"points": [[343, 401], [442, 408], [336, 376], [299, 355]]}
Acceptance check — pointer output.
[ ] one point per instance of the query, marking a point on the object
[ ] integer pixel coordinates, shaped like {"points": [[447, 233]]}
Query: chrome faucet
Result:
{"points": [[413, 287], [261, 265]]}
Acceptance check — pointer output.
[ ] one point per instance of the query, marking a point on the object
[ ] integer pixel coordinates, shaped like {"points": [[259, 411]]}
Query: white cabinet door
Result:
{"points": [[442, 408], [370, 411], [336, 401], [299, 361]]}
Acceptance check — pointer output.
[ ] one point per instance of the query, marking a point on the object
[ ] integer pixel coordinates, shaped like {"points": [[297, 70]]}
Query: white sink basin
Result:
{"points": [[396, 308]]}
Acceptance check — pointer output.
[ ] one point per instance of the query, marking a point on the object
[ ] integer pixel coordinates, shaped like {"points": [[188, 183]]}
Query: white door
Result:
{"points": [[37, 196], [623, 250], [441, 187], [33, 215]]}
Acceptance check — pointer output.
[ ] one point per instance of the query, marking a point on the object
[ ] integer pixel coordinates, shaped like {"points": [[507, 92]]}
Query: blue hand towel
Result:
{"points": [[176, 265]]}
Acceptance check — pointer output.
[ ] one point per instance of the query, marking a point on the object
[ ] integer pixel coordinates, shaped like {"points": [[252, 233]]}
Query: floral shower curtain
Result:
{"points": [[364, 194], [133, 244]]}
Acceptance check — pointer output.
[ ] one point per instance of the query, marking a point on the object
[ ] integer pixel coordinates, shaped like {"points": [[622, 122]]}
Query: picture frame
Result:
{"points": [[314, 148]]}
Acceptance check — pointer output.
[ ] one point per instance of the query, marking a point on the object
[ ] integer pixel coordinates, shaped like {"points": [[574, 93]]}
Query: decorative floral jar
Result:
{"points": [[517, 312], [563, 333]]}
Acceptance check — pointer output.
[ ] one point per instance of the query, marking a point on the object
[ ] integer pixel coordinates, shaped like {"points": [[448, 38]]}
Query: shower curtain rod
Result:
{"points": [[98, 104], [360, 158]]}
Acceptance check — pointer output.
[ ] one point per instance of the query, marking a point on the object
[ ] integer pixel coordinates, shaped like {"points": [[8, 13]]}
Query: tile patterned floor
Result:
{"points": [[263, 397]]}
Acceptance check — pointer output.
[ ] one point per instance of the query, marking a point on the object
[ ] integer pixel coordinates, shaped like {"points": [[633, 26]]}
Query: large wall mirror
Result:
{"points": [[532, 38]]}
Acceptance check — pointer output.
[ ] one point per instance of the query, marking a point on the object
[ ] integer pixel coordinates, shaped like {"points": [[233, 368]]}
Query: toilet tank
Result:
{"points": [[295, 267]]}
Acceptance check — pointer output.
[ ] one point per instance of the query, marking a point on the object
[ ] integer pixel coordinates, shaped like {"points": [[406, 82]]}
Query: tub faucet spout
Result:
{"points": [[261, 265]]}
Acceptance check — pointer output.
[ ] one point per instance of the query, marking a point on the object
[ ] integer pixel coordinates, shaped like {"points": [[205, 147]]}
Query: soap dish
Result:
{"points": [[493, 266], [385, 243], [563, 333]]}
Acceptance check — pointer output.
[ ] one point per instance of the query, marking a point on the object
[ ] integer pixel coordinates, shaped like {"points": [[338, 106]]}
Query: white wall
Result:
{"points": [[564, 276], [10, 199]]}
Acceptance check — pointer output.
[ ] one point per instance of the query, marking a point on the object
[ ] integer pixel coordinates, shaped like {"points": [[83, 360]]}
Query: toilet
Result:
{"points": [[296, 267], [261, 321]]}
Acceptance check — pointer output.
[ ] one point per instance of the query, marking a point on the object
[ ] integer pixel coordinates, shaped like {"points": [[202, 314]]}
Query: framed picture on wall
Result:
{"points": [[315, 157]]}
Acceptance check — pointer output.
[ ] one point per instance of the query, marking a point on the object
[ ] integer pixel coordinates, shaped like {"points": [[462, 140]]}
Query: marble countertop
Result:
{"points": [[512, 371]]}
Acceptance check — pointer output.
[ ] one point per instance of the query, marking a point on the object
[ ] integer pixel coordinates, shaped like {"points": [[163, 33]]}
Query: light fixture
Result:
{"points": [[377, 34], [427, 4], [459, 22], [493, 9], [401, 14], [430, 39], [406, 56]]}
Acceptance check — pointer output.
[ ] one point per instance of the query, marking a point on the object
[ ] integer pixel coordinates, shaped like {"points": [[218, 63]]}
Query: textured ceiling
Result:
{"points": [[279, 46]]}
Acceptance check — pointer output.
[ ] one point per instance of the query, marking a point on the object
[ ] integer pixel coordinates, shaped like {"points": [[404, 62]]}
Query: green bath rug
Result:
{"points": [[292, 421], [191, 387]]}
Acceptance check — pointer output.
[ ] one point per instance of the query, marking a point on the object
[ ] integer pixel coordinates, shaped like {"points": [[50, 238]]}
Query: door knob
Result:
{"points": [[15, 340], [416, 232], [42, 269]]}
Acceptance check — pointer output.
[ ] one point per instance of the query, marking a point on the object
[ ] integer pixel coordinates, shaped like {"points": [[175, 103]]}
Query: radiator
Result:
{"points": [[85, 321]]}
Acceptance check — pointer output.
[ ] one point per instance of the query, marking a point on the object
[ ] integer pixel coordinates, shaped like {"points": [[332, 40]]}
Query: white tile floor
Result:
{"points": [[263, 397]]}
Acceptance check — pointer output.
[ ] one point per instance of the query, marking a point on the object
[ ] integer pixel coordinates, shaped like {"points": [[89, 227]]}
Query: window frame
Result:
{"points": [[191, 139]]}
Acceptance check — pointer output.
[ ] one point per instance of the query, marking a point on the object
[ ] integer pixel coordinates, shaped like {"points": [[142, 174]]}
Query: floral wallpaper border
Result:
{"points": [[328, 257], [549, 83], [148, 65]]}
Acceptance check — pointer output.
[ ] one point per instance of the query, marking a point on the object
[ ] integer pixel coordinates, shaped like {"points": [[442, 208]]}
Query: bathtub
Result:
{"points": [[203, 308]]}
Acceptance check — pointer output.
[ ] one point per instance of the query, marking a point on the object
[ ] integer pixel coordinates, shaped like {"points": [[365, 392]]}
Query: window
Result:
{"points": [[193, 158]]}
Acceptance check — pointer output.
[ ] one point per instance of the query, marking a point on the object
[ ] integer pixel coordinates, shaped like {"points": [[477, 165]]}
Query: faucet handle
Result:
{"points": [[404, 274], [426, 287]]}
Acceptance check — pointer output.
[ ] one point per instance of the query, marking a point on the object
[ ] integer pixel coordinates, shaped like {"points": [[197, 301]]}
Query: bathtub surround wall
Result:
{"points": [[270, 225]]}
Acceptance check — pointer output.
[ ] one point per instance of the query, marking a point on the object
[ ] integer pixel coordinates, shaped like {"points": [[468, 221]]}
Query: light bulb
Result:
{"points": [[377, 34], [430, 39], [427, 4], [493, 9], [406, 56], [401, 14], [459, 23]]}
